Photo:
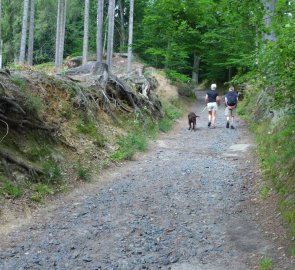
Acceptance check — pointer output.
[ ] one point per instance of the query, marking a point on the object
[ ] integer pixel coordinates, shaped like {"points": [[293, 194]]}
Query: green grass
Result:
{"points": [[83, 172], [52, 172], [264, 192], [11, 190], [275, 141], [141, 131], [89, 128], [265, 264], [172, 112]]}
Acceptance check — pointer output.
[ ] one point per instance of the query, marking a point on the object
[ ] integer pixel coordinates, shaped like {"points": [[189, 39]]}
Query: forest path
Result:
{"points": [[190, 202]]}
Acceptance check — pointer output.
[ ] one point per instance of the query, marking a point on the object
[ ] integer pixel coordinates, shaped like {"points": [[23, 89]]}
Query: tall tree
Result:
{"points": [[122, 25], [86, 29], [111, 26], [269, 6], [1, 40], [31, 33], [60, 33], [24, 32], [99, 31], [130, 38]]}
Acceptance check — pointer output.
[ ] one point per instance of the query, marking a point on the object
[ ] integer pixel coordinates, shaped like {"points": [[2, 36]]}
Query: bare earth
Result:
{"points": [[190, 202]]}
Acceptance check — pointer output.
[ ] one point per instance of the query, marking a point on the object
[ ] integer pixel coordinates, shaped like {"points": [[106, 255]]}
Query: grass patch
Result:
{"points": [[52, 172], [129, 145], [83, 172], [172, 112], [19, 81], [264, 192], [265, 264], [40, 191], [11, 190], [89, 128], [144, 127]]}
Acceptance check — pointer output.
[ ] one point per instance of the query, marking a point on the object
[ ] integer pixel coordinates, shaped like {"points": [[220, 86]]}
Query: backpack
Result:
{"points": [[231, 99]]}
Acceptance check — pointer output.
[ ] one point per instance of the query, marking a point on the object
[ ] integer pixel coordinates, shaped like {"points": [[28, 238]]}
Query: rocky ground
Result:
{"points": [[190, 202]]}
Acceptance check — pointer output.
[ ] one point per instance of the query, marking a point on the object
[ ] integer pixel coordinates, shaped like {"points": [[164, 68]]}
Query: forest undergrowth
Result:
{"points": [[274, 130]]}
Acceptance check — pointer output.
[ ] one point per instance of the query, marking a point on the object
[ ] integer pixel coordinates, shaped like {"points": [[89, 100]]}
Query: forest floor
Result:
{"points": [[190, 202]]}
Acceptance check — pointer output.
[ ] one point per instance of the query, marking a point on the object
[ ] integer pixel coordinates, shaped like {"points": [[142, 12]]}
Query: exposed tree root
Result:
{"points": [[5, 157]]}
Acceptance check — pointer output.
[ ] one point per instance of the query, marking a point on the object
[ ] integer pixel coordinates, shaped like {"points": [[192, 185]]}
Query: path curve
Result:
{"points": [[187, 203]]}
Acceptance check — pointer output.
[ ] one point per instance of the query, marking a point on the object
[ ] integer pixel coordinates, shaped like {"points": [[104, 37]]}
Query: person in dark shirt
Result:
{"points": [[231, 101], [212, 100]]}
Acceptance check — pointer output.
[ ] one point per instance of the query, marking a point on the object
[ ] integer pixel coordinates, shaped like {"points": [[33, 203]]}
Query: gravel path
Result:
{"points": [[185, 204]]}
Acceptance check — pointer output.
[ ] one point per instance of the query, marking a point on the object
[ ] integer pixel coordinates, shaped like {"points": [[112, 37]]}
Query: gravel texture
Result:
{"points": [[190, 202]]}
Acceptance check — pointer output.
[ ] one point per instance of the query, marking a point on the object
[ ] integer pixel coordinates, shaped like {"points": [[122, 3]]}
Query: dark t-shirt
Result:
{"points": [[212, 95]]}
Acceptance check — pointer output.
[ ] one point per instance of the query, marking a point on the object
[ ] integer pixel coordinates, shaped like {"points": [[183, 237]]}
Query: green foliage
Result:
{"points": [[19, 81], [264, 192], [176, 76], [83, 172], [88, 127], [136, 140], [52, 172], [265, 264], [34, 103], [172, 112], [275, 148], [66, 110], [11, 190]]}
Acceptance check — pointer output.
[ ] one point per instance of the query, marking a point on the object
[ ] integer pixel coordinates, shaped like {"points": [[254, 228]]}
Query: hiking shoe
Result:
{"points": [[227, 124], [232, 127], [209, 124]]}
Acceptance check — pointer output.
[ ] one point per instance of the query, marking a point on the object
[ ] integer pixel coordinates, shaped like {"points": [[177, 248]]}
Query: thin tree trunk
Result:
{"points": [[122, 34], [24, 32], [111, 14], [31, 33], [196, 66], [269, 7], [86, 27], [57, 38], [130, 37], [62, 32], [99, 32], [1, 41]]}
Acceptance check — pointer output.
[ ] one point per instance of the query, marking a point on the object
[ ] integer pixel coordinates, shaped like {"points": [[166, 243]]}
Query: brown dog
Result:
{"points": [[192, 120]]}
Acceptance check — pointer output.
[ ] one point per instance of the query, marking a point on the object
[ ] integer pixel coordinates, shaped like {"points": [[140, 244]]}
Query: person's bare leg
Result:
{"points": [[213, 118], [209, 118]]}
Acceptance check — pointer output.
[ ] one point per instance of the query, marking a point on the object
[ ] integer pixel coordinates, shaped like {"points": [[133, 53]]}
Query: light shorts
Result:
{"points": [[212, 106], [228, 112]]}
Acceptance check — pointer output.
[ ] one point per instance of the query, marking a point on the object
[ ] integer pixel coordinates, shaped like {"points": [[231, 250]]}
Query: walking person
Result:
{"points": [[212, 100], [231, 102]]}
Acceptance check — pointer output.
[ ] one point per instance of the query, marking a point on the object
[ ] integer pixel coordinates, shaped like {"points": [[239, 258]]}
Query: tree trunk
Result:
{"points": [[31, 33], [63, 27], [24, 32], [111, 14], [60, 33], [99, 32], [122, 34], [269, 7], [57, 38], [130, 37], [1, 41], [196, 66], [85, 39]]}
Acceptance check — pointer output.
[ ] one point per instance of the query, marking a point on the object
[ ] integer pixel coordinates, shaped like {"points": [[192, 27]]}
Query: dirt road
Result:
{"points": [[190, 202]]}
